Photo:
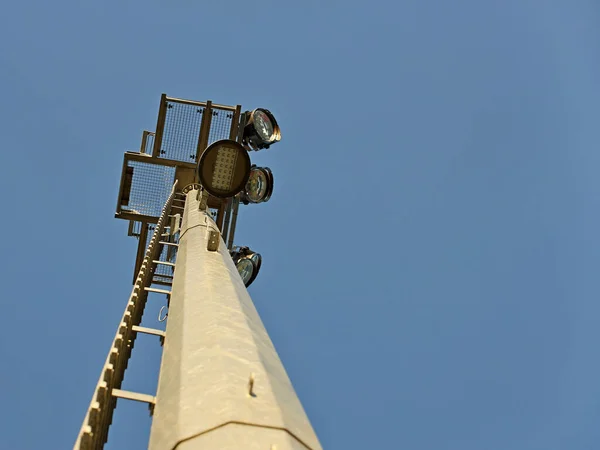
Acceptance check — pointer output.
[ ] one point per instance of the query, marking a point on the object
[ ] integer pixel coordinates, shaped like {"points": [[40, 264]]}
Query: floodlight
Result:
{"points": [[257, 260], [247, 270], [247, 263], [224, 168], [261, 130], [259, 187]]}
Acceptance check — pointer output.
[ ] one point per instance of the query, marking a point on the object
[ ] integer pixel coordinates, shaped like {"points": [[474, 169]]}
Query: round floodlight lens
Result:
{"points": [[224, 168], [257, 185], [263, 125], [245, 267], [261, 129]]}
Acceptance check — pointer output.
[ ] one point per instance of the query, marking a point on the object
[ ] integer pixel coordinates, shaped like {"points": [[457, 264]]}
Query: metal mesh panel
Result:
{"points": [[150, 188], [181, 132], [220, 126]]}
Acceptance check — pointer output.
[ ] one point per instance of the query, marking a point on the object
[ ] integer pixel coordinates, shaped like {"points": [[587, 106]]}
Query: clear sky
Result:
{"points": [[430, 270]]}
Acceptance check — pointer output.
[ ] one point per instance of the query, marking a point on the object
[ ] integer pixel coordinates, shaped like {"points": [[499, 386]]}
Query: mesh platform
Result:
{"points": [[181, 131], [150, 188]]}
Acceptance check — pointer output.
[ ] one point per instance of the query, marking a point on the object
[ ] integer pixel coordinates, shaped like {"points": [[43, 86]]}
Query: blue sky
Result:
{"points": [[430, 253]]}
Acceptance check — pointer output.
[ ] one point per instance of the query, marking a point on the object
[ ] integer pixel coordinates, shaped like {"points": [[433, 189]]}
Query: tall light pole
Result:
{"points": [[221, 383]]}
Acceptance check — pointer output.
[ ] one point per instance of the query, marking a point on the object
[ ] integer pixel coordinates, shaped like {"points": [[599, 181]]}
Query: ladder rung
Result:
{"points": [[136, 396], [172, 244], [158, 291], [153, 331], [175, 206], [164, 263], [162, 275]]}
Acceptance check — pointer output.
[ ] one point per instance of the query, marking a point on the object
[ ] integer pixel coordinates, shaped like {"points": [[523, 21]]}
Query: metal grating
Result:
{"points": [[220, 126], [150, 188], [181, 132]]}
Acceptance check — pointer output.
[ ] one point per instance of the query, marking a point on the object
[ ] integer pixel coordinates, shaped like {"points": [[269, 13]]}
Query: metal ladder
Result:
{"points": [[94, 431]]}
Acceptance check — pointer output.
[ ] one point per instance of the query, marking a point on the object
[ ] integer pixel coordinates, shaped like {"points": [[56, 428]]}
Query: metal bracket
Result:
{"points": [[202, 197], [175, 221], [214, 237], [189, 187]]}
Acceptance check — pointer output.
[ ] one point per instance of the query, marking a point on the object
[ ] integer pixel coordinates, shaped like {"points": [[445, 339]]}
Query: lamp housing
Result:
{"points": [[247, 263], [259, 186], [224, 168], [261, 129]]}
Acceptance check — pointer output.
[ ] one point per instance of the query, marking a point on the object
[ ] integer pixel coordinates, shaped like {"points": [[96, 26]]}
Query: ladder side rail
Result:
{"points": [[94, 431]]}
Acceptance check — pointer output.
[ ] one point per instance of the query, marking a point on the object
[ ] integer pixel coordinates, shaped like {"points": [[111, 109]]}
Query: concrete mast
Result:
{"points": [[221, 384]]}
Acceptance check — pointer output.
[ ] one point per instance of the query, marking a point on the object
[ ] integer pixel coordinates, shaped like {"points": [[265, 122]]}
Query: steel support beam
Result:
{"points": [[222, 385]]}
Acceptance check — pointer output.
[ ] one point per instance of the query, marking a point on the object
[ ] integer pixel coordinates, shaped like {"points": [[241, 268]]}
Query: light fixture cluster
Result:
{"points": [[247, 263], [224, 170]]}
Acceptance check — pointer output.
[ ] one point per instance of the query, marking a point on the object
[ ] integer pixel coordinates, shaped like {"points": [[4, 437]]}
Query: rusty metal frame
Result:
{"points": [[223, 210], [139, 257], [227, 218], [235, 123], [233, 205], [197, 103], [142, 157], [121, 186], [144, 145], [220, 216], [204, 130], [160, 125]]}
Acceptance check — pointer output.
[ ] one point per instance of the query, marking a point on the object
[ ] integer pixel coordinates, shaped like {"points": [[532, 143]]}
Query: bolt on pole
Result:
{"points": [[221, 384]]}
